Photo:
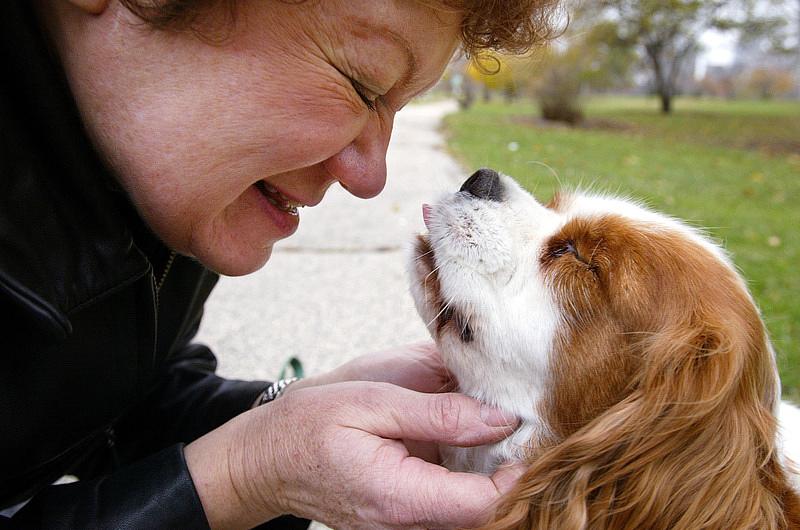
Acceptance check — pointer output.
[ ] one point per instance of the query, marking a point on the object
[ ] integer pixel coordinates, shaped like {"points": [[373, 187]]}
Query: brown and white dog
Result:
{"points": [[630, 348]]}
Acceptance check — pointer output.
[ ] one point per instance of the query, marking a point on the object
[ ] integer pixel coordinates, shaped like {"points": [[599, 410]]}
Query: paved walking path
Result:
{"points": [[337, 288]]}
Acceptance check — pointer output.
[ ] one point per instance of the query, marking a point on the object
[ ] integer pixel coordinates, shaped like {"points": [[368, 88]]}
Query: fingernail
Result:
{"points": [[506, 476], [494, 417]]}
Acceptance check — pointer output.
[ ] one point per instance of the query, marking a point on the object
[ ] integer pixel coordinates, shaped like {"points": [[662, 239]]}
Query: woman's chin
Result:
{"points": [[236, 264]]}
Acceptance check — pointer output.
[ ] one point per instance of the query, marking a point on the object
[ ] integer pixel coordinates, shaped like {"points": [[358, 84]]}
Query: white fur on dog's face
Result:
{"points": [[539, 323], [482, 258]]}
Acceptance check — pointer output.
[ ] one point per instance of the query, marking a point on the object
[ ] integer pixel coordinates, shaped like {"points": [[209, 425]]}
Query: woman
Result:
{"points": [[144, 158]]}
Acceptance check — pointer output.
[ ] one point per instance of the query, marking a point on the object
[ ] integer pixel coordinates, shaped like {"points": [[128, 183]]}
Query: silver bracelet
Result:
{"points": [[273, 391]]}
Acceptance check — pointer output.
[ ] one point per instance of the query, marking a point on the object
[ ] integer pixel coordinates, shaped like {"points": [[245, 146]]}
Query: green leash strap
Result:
{"points": [[296, 366]]}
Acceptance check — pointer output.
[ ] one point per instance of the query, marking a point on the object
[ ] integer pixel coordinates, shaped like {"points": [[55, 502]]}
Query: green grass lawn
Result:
{"points": [[732, 167]]}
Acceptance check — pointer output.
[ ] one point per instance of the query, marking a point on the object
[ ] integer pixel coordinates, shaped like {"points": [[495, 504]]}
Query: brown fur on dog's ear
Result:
{"points": [[692, 446]]}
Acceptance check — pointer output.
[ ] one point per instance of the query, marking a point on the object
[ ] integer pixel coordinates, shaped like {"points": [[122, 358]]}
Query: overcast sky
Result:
{"points": [[719, 50]]}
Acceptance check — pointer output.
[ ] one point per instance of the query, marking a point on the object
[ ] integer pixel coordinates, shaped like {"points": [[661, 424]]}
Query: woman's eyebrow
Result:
{"points": [[412, 67], [368, 29]]}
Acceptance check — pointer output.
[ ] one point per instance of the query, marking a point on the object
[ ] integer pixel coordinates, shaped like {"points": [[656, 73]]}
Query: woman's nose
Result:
{"points": [[360, 167]]}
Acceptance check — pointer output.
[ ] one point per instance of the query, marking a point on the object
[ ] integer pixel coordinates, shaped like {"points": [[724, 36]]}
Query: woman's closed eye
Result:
{"points": [[369, 98]]}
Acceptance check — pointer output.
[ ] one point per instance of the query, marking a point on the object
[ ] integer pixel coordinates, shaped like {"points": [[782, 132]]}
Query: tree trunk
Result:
{"points": [[666, 103], [663, 87]]}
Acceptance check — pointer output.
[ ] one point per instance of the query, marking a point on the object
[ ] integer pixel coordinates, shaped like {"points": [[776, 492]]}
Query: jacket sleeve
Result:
{"points": [[188, 401], [156, 492]]}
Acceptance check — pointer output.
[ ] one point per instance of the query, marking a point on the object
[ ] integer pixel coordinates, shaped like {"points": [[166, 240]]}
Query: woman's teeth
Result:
{"points": [[278, 199]]}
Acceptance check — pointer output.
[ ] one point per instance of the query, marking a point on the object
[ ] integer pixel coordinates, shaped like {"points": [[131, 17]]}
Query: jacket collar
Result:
{"points": [[64, 228]]}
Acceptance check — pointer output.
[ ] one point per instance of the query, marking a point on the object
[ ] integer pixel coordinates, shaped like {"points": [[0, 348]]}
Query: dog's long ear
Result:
{"points": [[692, 446]]}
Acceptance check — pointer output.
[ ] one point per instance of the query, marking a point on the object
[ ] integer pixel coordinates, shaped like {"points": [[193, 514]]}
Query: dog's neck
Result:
{"points": [[512, 392], [485, 458]]}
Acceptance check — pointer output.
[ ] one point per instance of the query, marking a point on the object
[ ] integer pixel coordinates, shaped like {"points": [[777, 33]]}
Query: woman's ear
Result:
{"points": [[95, 7]]}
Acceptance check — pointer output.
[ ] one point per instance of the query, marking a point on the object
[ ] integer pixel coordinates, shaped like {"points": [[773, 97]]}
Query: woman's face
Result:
{"points": [[212, 140]]}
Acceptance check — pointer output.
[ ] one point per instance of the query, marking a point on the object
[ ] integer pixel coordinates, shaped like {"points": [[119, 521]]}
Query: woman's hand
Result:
{"points": [[333, 453], [416, 367]]}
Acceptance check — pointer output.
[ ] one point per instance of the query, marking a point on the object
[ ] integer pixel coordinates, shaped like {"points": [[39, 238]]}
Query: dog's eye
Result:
{"points": [[563, 248]]}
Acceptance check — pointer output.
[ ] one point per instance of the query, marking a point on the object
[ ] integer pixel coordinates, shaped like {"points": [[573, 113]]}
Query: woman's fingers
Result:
{"points": [[339, 454], [416, 366], [453, 419]]}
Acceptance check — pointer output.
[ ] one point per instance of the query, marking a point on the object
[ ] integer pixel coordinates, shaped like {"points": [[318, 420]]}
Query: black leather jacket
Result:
{"points": [[99, 377]]}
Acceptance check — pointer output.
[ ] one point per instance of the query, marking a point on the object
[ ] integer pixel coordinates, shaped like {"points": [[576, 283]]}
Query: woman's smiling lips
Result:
{"points": [[278, 199], [280, 209]]}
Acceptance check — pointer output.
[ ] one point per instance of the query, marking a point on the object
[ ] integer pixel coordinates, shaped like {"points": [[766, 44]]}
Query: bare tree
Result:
{"points": [[666, 31]]}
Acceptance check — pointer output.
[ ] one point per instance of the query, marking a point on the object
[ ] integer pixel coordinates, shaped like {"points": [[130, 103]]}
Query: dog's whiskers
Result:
{"points": [[435, 269], [425, 282], [418, 258], [594, 250], [445, 307]]}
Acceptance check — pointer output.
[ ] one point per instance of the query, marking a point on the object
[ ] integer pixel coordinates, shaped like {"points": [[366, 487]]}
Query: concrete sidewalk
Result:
{"points": [[337, 288]]}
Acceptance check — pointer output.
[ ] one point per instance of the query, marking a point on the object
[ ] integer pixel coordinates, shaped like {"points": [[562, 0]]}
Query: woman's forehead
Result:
{"points": [[413, 27], [405, 40]]}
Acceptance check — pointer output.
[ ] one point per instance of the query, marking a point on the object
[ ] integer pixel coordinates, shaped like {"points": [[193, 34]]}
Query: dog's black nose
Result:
{"points": [[484, 184]]}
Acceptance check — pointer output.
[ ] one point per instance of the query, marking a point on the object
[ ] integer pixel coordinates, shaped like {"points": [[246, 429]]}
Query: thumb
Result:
{"points": [[449, 418], [439, 498], [507, 475]]}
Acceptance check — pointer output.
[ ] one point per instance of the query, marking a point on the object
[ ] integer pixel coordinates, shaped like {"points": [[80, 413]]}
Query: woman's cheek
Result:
{"points": [[319, 136]]}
